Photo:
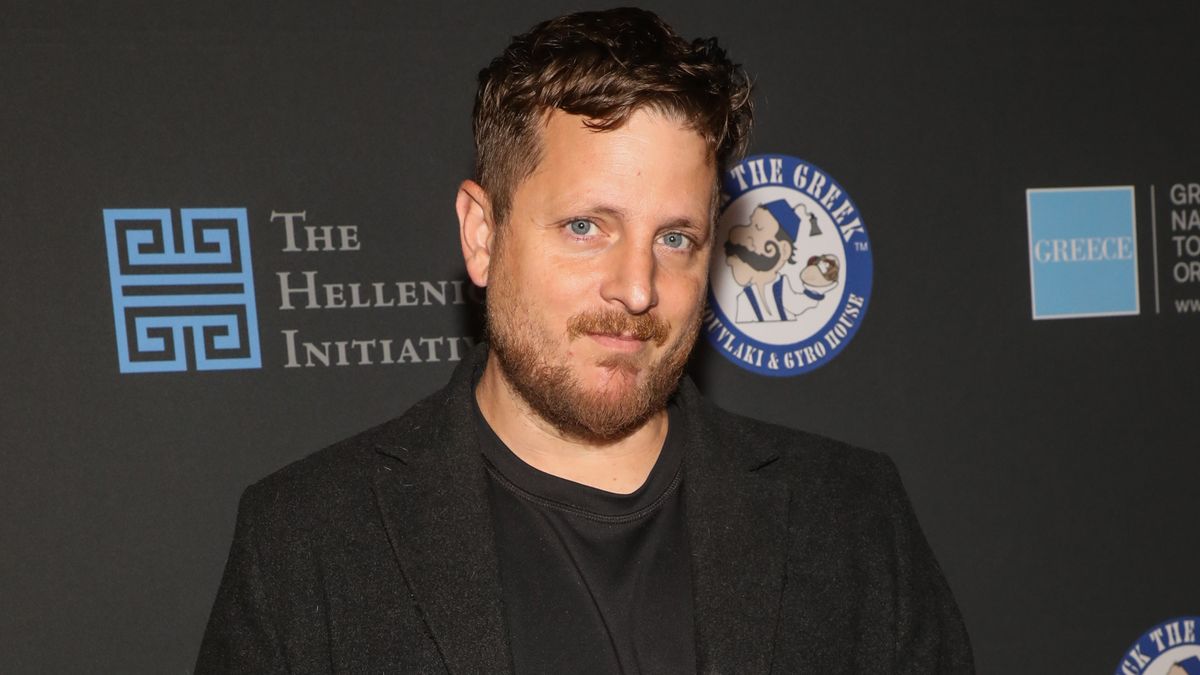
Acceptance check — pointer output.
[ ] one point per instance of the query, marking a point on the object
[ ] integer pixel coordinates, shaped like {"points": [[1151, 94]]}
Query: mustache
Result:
{"points": [[649, 327], [756, 261]]}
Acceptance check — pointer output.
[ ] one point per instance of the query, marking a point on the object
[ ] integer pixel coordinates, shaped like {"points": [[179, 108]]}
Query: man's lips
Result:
{"points": [[622, 342]]}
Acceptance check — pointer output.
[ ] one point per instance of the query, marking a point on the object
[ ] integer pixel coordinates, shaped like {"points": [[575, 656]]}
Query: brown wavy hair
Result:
{"points": [[604, 66]]}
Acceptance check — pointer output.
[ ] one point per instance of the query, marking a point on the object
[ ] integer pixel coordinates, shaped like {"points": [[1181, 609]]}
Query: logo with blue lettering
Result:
{"points": [[791, 268], [1170, 648], [1082, 252], [182, 290]]}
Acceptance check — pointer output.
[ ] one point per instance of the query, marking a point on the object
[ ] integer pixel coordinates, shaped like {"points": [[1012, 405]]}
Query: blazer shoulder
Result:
{"points": [[338, 475], [816, 467], [324, 484], [797, 450], [359, 452]]}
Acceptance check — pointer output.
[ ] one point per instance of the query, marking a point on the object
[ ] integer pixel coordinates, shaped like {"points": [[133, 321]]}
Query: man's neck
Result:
{"points": [[620, 466]]}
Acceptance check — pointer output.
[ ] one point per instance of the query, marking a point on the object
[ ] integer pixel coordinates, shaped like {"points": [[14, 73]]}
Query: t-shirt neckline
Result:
{"points": [[585, 500]]}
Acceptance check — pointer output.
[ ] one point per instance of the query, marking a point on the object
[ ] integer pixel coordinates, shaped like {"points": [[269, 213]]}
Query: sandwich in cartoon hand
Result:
{"points": [[758, 254]]}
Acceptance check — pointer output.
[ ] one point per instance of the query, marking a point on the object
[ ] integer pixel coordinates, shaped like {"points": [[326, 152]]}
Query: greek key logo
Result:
{"points": [[182, 290], [791, 269]]}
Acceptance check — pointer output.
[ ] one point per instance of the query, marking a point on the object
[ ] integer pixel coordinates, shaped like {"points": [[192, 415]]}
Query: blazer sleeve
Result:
{"points": [[929, 630], [241, 636]]}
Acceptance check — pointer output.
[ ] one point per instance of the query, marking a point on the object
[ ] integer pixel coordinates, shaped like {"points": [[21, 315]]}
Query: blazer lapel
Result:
{"points": [[435, 508], [737, 524]]}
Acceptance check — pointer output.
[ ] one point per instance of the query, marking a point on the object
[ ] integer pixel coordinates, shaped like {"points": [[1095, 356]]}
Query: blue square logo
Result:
{"points": [[1082, 252], [182, 290]]}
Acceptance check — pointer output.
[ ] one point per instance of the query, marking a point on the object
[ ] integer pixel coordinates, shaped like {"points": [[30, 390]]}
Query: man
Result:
{"points": [[757, 254], [567, 503]]}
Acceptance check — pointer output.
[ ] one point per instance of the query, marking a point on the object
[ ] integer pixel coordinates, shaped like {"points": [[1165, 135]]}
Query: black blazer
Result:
{"points": [[377, 555]]}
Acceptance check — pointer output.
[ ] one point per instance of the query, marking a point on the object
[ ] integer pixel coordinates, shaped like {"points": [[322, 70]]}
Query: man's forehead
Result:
{"points": [[590, 167], [559, 124], [761, 216]]}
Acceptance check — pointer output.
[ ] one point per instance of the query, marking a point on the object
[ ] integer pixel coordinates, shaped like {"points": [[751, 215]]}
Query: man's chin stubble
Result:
{"points": [[556, 395]]}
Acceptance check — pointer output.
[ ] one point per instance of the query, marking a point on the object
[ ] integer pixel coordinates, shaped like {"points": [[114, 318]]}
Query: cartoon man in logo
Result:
{"points": [[1186, 667], [758, 252]]}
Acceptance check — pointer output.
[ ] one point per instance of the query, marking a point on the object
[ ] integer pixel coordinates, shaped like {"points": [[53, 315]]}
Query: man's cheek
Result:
{"points": [[688, 291]]}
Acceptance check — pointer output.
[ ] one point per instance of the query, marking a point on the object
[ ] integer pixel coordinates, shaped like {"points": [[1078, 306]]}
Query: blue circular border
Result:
{"points": [[1145, 642], [858, 283]]}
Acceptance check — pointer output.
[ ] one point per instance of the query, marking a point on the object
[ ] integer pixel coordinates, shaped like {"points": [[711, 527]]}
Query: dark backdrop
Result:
{"points": [[1053, 464]]}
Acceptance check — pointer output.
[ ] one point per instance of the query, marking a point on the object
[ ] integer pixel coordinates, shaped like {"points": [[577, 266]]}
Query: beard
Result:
{"points": [[605, 414]]}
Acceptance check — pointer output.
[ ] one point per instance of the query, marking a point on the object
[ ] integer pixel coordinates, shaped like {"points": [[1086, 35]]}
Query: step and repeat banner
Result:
{"points": [[229, 240]]}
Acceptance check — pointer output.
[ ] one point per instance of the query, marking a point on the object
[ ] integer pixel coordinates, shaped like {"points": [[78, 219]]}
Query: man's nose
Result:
{"points": [[630, 279]]}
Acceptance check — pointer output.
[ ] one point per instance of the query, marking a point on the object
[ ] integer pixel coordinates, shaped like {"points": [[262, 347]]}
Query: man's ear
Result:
{"points": [[476, 230], [791, 251]]}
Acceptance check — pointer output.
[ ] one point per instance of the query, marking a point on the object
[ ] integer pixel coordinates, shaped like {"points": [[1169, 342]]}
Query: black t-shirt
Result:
{"points": [[593, 581]]}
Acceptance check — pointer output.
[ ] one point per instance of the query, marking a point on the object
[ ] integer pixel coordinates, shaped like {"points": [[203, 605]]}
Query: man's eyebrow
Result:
{"points": [[618, 213], [684, 223], [608, 210]]}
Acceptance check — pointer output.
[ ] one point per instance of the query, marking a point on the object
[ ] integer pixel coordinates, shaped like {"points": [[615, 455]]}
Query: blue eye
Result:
{"points": [[676, 240], [581, 227]]}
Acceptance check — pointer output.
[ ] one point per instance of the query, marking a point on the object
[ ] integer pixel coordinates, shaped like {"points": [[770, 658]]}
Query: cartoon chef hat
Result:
{"points": [[786, 216]]}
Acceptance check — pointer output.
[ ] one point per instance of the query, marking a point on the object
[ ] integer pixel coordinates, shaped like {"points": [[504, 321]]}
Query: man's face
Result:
{"points": [[596, 284], [753, 252]]}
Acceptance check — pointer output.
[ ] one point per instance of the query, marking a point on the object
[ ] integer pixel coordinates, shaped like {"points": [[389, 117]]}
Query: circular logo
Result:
{"points": [[791, 267], [1170, 648]]}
